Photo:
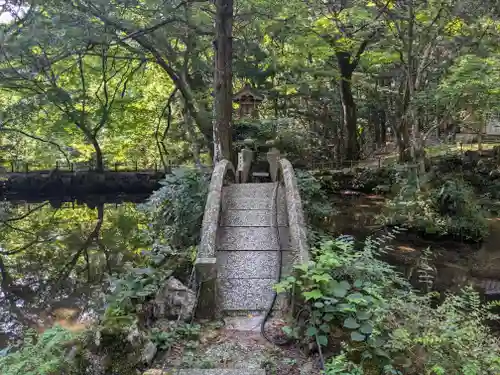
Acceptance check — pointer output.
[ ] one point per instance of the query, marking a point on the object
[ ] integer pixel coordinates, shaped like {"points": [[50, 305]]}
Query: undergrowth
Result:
{"points": [[440, 207], [363, 309]]}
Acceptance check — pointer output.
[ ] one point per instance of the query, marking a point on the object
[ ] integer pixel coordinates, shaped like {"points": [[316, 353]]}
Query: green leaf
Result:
{"points": [[358, 284], [328, 317], [345, 284], [355, 297], [287, 330], [363, 315], [322, 340], [339, 291], [381, 353], [313, 294], [375, 342], [366, 328], [345, 307], [311, 331], [319, 305], [329, 308], [324, 328], [321, 277], [351, 323], [356, 336]]}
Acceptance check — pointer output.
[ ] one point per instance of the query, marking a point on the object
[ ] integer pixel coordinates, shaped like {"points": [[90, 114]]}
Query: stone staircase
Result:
{"points": [[247, 247]]}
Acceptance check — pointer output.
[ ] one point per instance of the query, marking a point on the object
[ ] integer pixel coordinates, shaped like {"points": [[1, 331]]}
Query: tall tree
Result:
{"points": [[223, 80]]}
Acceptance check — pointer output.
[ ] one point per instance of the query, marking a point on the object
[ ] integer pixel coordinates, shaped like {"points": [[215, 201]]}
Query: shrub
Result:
{"points": [[384, 326], [314, 200], [443, 208], [175, 211], [43, 354]]}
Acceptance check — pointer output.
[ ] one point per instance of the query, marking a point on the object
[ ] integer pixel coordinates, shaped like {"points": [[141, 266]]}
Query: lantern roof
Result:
{"points": [[247, 92]]}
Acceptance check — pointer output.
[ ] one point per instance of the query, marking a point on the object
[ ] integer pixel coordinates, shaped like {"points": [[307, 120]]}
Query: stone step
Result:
{"points": [[215, 371], [245, 294], [252, 238], [253, 264], [251, 197], [251, 218]]}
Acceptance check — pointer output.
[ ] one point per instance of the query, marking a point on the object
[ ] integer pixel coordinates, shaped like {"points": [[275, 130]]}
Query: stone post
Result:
{"points": [[247, 159], [273, 158], [206, 277]]}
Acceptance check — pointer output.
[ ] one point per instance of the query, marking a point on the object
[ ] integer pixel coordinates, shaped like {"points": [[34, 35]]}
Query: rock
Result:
{"points": [[307, 368], [155, 372], [174, 300], [148, 352]]}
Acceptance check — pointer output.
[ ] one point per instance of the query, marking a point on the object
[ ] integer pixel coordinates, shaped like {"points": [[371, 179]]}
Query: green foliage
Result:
{"points": [[342, 287], [40, 354], [387, 328], [165, 338], [175, 211], [438, 207], [314, 199], [133, 286]]}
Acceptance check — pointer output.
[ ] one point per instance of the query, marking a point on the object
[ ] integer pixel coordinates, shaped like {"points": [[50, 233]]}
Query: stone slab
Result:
{"points": [[223, 372], [252, 238], [251, 218], [220, 371], [251, 197], [246, 294], [253, 264], [247, 323]]}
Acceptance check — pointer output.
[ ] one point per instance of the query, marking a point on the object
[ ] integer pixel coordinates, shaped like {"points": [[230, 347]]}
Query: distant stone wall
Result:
{"points": [[58, 183]]}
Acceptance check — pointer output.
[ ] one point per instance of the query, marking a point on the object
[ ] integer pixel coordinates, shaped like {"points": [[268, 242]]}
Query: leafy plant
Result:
{"points": [[315, 202], [350, 295], [164, 338], [175, 211], [43, 354], [437, 207], [341, 287]]}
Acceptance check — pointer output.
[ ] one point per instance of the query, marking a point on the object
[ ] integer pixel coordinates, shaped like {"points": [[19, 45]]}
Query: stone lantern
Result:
{"points": [[249, 101]]}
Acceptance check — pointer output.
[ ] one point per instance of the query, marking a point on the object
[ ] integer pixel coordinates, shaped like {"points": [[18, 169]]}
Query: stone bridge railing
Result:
{"points": [[206, 264]]}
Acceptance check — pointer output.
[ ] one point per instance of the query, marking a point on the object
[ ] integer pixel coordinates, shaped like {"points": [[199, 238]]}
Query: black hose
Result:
{"points": [[274, 213]]}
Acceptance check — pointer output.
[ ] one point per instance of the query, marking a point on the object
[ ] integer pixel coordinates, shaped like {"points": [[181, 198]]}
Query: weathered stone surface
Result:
{"points": [[246, 294], [206, 372], [252, 218], [296, 222], [252, 238], [213, 208], [253, 264], [148, 352], [174, 300]]}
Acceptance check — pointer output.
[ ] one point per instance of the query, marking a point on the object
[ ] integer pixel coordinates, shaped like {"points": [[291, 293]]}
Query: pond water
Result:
{"points": [[55, 255], [454, 264]]}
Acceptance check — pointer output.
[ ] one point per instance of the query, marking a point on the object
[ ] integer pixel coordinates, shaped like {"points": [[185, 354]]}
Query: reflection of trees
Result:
{"points": [[49, 254]]}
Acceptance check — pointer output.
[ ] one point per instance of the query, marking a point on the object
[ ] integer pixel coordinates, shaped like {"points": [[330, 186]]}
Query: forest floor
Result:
{"points": [[239, 345]]}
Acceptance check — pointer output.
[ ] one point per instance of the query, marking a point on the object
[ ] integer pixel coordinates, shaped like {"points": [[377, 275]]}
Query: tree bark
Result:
{"points": [[223, 78], [99, 162], [348, 105]]}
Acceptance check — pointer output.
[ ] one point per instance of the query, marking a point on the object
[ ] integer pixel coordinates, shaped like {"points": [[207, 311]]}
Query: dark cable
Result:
{"points": [[274, 213]]}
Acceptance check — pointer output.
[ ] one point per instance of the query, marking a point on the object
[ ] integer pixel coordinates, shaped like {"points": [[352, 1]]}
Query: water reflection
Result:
{"points": [[55, 257]]}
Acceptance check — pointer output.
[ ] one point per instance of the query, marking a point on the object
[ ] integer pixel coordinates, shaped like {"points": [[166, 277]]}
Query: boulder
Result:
{"points": [[148, 352], [174, 301]]}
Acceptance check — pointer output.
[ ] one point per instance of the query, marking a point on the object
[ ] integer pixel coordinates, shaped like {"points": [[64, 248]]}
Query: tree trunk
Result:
{"points": [[223, 78], [99, 162], [348, 105]]}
